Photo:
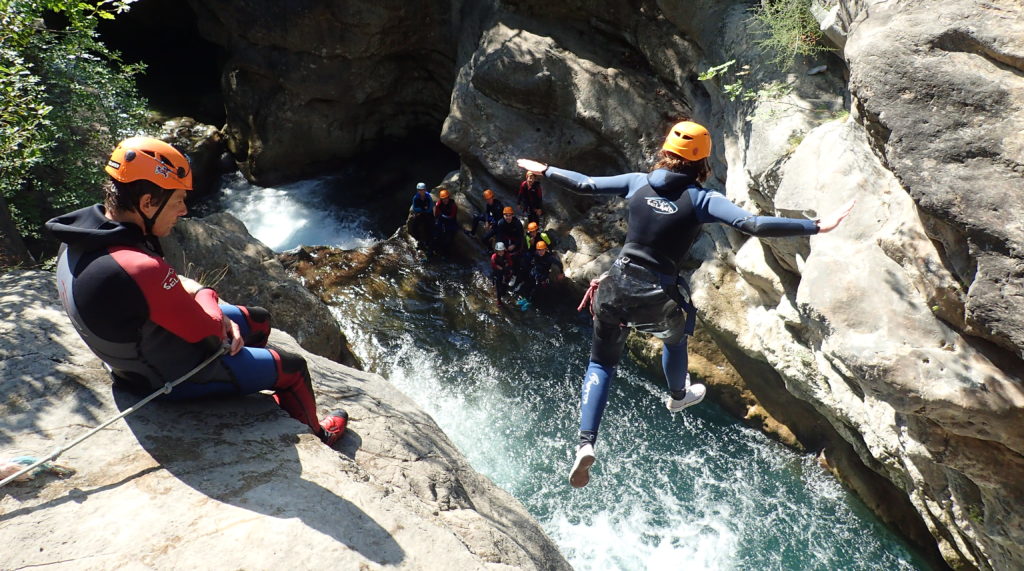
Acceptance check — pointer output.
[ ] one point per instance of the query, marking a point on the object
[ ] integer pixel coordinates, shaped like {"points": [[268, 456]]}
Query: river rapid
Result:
{"points": [[696, 490]]}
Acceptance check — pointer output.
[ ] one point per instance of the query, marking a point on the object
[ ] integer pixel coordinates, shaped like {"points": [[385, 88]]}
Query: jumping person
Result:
{"points": [[151, 325], [642, 289]]}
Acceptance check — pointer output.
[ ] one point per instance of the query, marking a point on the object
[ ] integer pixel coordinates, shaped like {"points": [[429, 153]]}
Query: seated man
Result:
{"points": [[491, 214], [147, 323]]}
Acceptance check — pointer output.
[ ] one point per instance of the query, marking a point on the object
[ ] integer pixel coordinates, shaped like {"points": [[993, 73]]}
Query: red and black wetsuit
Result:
{"points": [[130, 308], [530, 199]]}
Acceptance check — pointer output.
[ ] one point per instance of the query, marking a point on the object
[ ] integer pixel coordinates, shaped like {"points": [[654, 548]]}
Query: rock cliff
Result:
{"points": [[233, 483], [893, 345]]}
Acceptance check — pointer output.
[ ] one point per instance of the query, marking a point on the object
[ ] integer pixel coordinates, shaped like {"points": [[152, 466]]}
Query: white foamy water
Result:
{"points": [[695, 490], [296, 214]]}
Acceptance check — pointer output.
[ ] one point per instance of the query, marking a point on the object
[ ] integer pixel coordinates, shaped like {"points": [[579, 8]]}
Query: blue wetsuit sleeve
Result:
{"points": [[621, 185], [714, 207]]}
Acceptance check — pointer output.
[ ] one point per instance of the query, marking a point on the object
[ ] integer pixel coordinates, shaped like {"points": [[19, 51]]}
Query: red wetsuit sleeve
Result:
{"points": [[170, 306]]}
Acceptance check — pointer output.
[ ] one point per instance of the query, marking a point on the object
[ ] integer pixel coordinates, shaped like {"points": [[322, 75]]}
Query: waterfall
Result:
{"points": [[695, 490]]}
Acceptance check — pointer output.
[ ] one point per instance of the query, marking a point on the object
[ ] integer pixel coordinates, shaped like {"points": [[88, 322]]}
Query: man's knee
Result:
{"points": [[258, 320], [292, 370]]}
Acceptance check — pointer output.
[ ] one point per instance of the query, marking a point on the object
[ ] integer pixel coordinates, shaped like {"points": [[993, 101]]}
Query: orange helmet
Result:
{"points": [[541, 245], [488, 193], [532, 226], [508, 210], [146, 158], [688, 140], [443, 193]]}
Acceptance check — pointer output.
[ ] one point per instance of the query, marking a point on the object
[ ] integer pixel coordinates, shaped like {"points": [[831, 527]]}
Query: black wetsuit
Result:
{"points": [[641, 290], [421, 218], [490, 216], [510, 232]]}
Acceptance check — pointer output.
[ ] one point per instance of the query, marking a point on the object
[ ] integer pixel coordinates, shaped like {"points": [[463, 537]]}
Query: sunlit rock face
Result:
{"points": [[893, 344], [235, 483]]}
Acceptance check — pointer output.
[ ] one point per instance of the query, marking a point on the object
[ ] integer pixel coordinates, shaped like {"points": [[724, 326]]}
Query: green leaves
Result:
{"points": [[790, 30], [67, 99]]}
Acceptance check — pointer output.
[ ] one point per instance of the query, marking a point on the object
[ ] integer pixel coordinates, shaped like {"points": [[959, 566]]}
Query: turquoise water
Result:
{"points": [[696, 490]]}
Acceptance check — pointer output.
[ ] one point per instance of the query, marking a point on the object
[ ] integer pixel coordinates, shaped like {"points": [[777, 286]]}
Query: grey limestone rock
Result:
{"points": [[233, 483]]}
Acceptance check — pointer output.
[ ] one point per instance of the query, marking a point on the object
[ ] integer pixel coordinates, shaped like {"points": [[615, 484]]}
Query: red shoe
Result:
{"points": [[333, 426]]}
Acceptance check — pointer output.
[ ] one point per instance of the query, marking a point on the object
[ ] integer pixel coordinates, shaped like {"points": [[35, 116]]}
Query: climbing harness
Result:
{"points": [[672, 285], [166, 389]]}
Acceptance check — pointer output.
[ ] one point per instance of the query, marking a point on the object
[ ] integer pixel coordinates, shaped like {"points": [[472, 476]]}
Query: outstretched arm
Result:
{"points": [[720, 209], [829, 223], [620, 185]]}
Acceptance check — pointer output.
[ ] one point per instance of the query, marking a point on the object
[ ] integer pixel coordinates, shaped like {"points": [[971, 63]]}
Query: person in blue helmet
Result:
{"points": [[421, 216], [151, 325], [643, 290]]}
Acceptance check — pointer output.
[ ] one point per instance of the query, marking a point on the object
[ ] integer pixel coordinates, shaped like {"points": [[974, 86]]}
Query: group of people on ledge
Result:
{"points": [[522, 258], [151, 325]]}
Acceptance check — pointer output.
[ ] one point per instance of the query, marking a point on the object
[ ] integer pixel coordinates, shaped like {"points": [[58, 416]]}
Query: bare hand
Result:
{"points": [[190, 285], [829, 223], [532, 166], [233, 334]]}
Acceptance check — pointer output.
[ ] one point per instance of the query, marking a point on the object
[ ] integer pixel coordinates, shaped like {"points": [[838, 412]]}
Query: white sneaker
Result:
{"points": [[580, 474], [694, 394]]}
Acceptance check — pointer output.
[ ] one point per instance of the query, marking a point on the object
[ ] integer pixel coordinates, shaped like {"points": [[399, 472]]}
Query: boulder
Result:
{"points": [[218, 251], [940, 87], [233, 483]]}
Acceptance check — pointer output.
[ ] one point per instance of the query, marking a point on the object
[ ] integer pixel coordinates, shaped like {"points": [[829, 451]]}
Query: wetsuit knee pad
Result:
{"points": [[258, 320]]}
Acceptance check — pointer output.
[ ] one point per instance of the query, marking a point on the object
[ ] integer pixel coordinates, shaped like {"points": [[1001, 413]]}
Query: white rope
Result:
{"points": [[166, 389]]}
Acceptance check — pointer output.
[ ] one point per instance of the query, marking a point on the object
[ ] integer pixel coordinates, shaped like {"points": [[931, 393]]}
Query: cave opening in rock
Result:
{"points": [[182, 76]]}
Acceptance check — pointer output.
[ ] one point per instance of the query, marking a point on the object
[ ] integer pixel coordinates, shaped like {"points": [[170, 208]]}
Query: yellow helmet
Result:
{"points": [[532, 226], [443, 193], [488, 193], [688, 140]]}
